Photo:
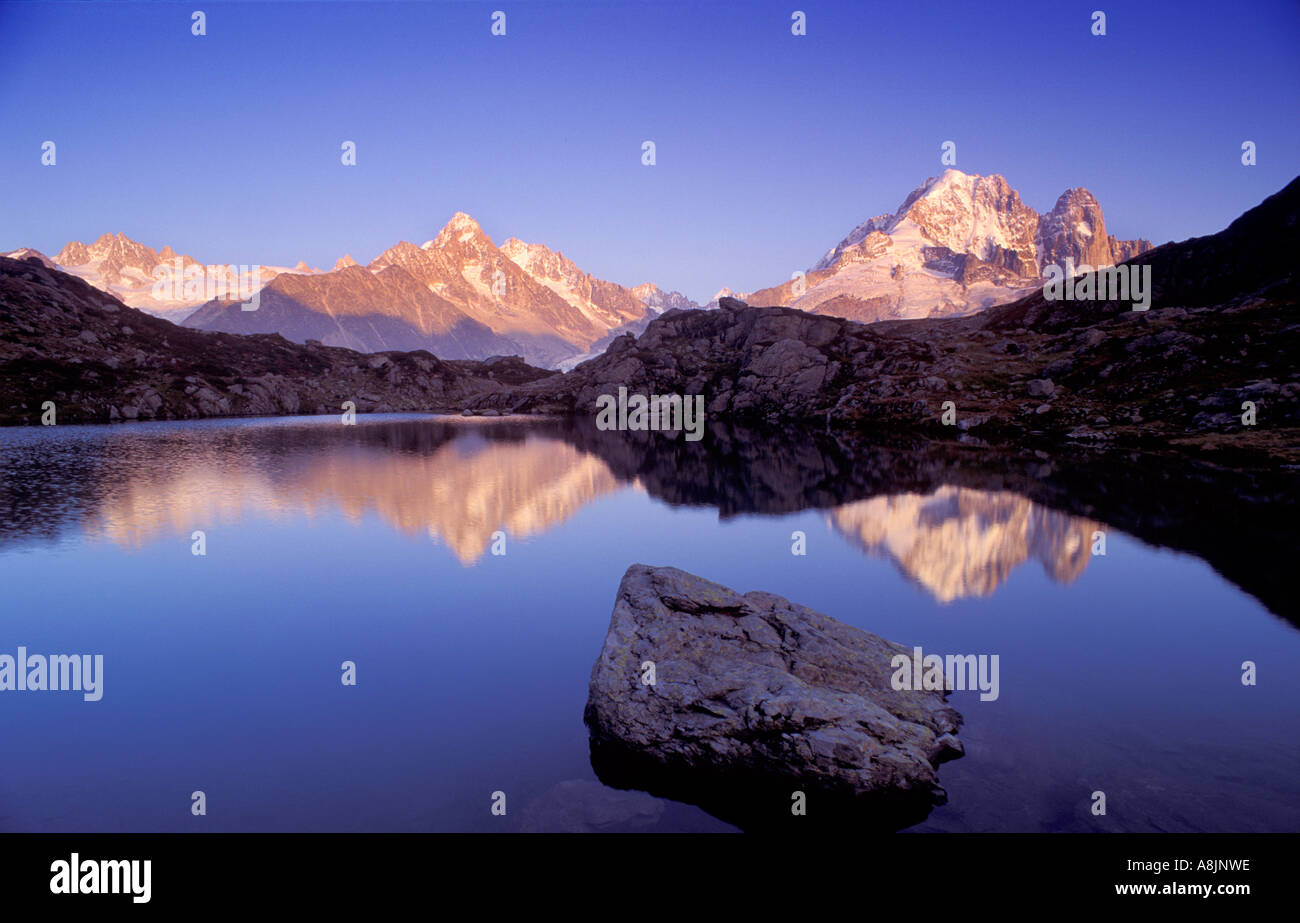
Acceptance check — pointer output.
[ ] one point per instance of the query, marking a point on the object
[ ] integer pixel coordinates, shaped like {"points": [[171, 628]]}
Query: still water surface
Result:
{"points": [[373, 544]]}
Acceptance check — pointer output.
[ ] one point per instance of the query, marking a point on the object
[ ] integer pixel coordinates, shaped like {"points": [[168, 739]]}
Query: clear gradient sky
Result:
{"points": [[770, 147]]}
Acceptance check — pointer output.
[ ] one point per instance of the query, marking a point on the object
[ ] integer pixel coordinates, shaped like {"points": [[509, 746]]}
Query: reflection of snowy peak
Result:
{"points": [[957, 542], [958, 244], [458, 493]]}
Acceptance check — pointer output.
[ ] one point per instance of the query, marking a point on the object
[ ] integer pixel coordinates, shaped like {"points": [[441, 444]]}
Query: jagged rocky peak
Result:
{"points": [[123, 248], [606, 305], [461, 228], [654, 297], [540, 260], [113, 259], [959, 244], [116, 249], [27, 253], [521, 298], [399, 252], [524, 298], [855, 237], [984, 217], [74, 253], [722, 294], [966, 213], [418, 261], [981, 216], [1074, 229]]}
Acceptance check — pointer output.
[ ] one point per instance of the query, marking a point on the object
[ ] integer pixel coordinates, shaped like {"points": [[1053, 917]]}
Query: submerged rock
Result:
{"points": [[756, 698]]}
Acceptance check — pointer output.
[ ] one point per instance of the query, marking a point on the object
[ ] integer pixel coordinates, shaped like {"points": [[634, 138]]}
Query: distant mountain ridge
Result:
{"points": [[959, 244], [123, 267], [657, 298], [457, 295]]}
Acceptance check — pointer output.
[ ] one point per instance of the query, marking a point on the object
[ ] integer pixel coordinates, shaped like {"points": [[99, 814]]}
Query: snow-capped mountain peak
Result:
{"points": [[458, 294], [959, 243], [461, 229], [604, 304], [27, 253], [655, 297], [131, 271]]}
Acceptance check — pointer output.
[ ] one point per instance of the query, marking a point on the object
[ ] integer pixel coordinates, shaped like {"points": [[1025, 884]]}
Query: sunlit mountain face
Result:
{"points": [[457, 294]]}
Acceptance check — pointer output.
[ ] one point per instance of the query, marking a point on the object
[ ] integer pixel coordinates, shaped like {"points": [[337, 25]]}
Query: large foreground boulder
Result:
{"points": [[756, 698]]}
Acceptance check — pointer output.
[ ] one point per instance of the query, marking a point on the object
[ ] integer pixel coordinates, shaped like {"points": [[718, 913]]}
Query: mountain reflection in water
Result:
{"points": [[959, 542], [459, 482]]}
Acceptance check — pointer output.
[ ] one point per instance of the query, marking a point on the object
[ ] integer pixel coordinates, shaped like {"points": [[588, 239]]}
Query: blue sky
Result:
{"points": [[770, 147]]}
